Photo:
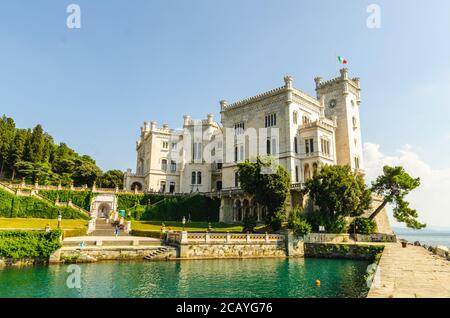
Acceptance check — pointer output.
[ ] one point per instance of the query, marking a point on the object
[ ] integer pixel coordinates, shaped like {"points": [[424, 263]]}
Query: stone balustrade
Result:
{"points": [[185, 237]]}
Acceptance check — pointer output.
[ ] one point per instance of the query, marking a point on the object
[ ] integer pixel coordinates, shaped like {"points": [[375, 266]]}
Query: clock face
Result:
{"points": [[332, 103]]}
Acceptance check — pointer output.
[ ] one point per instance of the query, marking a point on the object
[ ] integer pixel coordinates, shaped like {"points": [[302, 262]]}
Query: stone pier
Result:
{"points": [[411, 272]]}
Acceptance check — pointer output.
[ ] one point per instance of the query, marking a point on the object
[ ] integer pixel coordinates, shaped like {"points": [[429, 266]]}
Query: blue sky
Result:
{"points": [[156, 60]]}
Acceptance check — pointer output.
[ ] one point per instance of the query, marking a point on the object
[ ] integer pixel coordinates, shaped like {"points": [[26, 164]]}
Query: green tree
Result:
{"points": [[271, 190], [7, 133], [298, 223], [17, 150], [394, 184], [111, 179], [85, 171], [36, 145], [339, 193]]}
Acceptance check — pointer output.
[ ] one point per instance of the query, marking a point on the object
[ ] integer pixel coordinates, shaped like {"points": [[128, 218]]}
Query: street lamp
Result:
{"points": [[59, 220], [183, 221]]}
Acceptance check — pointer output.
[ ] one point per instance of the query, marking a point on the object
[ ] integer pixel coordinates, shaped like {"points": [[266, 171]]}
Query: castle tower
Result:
{"points": [[342, 99]]}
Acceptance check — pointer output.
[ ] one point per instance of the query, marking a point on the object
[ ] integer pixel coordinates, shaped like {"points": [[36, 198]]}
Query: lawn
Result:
{"points": [[155, 226], [19, 223]]}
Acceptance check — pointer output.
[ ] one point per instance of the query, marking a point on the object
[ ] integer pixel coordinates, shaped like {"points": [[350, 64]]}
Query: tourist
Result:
{"points": [[47, 228], [116, 231]]}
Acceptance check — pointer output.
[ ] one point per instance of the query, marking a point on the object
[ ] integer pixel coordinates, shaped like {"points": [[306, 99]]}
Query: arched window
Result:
{"points": [[315, 169], [193, 177], [295, 145], [296, 173], [305, 119], [199, 177], [306, 172], [295, 117]]}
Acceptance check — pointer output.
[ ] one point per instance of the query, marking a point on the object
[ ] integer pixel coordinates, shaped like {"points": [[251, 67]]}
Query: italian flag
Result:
{"points": [[342, 60]]}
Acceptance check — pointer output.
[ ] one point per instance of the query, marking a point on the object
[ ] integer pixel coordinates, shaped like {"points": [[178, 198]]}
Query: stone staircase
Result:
{"points": [[105, 229], [157, 253]]}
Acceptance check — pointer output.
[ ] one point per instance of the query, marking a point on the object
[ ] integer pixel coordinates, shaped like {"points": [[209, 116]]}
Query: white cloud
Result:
{"points": [[432, 198]]}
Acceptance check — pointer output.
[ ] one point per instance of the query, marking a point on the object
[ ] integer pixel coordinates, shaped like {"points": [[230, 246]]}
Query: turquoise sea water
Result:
{"points": [[293, 278], [432, 238]]}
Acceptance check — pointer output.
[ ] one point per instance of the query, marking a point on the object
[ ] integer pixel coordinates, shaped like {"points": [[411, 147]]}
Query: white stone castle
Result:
{"points": [[301, 131]]}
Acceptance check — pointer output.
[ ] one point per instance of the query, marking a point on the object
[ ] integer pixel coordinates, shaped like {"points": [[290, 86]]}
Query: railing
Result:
{"points": [[228, 238]]}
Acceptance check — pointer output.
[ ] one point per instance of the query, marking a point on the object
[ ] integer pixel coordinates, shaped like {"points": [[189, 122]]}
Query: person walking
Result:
{"points": [[116, 231]]}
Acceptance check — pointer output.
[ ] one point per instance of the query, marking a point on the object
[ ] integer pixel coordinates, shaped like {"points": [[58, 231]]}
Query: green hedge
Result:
{"points": [[128, 201], [13, 206], [143, 233], [81, 198], [28, 244], [199, 208]]}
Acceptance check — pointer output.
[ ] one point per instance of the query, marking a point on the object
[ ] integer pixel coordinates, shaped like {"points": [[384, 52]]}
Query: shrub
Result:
{"points": [[198, 207], [13, 206], [363, 226], [29, 244], [249, 224], [298, 223], [317, 219], [81, 198], [127, 201]]}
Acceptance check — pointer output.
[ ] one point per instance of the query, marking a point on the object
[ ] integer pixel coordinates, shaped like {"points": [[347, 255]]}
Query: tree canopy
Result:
{"points": [[394, 184], [338, 193], [33, 155], [269, 188]]}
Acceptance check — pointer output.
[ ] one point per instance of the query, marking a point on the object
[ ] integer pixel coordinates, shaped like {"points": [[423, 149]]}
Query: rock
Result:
{"points": [[87, 258], [441, 250], [416, 243]]}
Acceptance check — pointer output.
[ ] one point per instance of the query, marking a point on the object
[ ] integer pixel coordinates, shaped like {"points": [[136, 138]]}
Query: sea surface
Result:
{"points": [[428, 237], [226, 278]]}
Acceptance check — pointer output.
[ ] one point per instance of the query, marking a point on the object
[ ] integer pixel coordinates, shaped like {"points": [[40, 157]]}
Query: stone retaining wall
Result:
{"points": [[346, 251], [94, 254], [234, 250]]}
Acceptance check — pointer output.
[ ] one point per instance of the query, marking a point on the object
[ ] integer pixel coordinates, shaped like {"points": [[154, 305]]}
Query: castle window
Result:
{"points": [[315, 169], [164, 165], [174, 145], [213, 151], [162, 186], [325, 145], [296, 173], [236, 150], [197, 151], [305, 120], [199, 177], [241, 154], [193, 177], [355, 122], [165, 145], [271, 120], [239, 128], [236, 179], [306, 172], [268, 146], [356, 162], [295, 117], [309, 145], [295, 145], [173, 166]]}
